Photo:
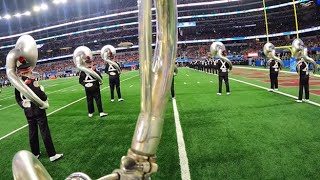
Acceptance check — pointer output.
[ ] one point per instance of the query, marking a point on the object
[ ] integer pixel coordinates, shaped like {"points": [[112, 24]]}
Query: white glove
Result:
{"points": [[42, 88], [46, 106], [88, 85], [26, 104]]}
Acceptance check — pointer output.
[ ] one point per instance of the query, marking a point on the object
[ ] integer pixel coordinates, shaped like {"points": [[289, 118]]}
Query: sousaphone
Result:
{"points": [[106, 52], [217, 49], [25, 48], [80, 55]]}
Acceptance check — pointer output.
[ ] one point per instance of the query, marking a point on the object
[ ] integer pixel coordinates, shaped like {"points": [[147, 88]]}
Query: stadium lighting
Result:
{"points": [[36, 8], [59, 1], [0, 17], [44, 6], [17, 15], [27, 13], [7, 16], [136, 11]]}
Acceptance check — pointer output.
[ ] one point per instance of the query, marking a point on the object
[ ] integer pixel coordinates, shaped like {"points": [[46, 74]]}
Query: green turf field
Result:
{"points": [[251, 134]]}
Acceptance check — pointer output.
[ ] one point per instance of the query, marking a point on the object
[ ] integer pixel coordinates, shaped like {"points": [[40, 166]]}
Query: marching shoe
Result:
{"points": [[299, 101], [56, 157], [219, 94], [276, 89], [306, 100], [119, 100], [37, 156], [102, 114], [270, 90], [90, 115], [112, 100], [228, 93]]}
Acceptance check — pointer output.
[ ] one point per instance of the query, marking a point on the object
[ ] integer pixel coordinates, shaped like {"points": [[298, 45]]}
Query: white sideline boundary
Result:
{"points": [[259, 69], [278, 92], [261, 87], [9, 134], [184, 163]]}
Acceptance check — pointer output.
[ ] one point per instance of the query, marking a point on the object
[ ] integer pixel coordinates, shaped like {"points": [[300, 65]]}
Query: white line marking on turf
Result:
{"points": [[7, 135], [184, 83], [258, 69], [198, 82], [184, 164], [6, 98], [61, 90], [131, 85], [7, 107], [278, 92]]}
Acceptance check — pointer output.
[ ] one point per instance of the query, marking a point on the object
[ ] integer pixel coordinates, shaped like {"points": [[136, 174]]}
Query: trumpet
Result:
{"points": [[106, 52], [26, 48], [217, 49], [80, 55]]}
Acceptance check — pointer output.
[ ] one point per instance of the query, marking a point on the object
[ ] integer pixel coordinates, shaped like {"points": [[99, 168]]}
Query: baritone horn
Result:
{"points": [[270, 52], [217, 49], [106, 52], [80, 55], [26, 48], [300, 51]]}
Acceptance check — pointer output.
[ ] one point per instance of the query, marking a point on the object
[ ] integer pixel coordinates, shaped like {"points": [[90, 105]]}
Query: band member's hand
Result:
{"points": [[42, 88], [28, 81], [26, 104], [94, 68], [46, 106]]}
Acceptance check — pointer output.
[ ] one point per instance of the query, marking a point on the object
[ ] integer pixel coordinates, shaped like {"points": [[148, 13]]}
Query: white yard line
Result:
{"points": [[258, 69], [278, 92], [6, 98], [7, 106], [46, 93], [9, 134], [184, 164]]}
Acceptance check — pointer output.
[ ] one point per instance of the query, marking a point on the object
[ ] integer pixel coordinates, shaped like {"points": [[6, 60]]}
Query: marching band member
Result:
{"points": [[275, 65], [300, 51], [36, 116], [172, 85], [112, 69], [303, 80], [274, 72], [223, 70], [92, 89]]}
